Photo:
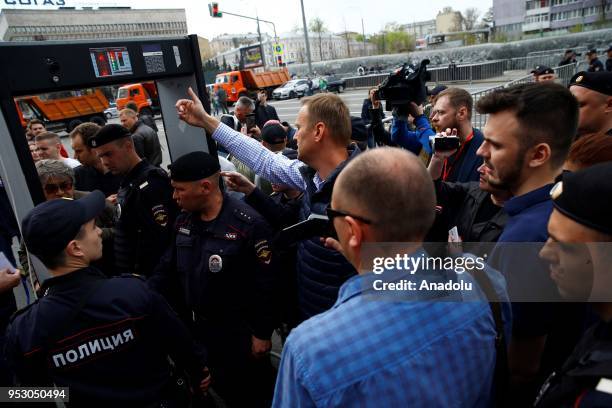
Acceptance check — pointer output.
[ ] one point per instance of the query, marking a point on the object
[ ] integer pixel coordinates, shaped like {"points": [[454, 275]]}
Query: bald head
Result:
{"points": [[392, 188]]}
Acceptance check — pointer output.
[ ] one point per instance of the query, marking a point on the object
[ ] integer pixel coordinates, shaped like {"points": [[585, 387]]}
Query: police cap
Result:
{"points": [[436, 90], [194, 166], [273, 133], [542, 69], [585, 196], [50, 226], [596, 81], [359, 132], [107, 134]]}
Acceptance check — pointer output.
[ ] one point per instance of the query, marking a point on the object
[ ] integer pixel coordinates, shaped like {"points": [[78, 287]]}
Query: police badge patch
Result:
{"points": [[215, 263], [160, 215], [263, 252]]}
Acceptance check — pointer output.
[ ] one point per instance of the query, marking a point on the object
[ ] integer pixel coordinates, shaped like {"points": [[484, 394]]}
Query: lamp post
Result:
{"points": [[306, 38]]}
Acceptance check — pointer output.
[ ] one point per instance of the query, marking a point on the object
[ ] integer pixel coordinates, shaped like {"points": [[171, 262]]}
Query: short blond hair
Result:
{"points": [[333, 112], [128, 112]]}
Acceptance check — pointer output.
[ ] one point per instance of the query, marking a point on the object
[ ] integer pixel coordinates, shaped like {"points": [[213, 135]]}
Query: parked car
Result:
{"points": [[111, 112], [291, 89], [334, 83]]}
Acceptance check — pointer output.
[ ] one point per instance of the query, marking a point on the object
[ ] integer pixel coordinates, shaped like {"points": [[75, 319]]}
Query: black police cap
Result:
{"points": [[273, 133], [596, 81], [194, 166], [542, 69], [107, 134], [436, 90], [49, 227], [359, 132], [585, 196]]}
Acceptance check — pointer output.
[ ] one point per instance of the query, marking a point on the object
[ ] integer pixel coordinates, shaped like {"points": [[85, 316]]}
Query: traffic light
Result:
{"points": [[279, 59], [213, 8]]}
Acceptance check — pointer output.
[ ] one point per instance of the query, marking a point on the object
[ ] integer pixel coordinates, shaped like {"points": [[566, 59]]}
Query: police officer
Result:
{"points": [[595, 65], [146, 210], [580, 229], [223, 261], [593, 90], [107, 339]]}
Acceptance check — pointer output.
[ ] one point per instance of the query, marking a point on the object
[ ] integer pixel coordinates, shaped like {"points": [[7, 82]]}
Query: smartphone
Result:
{"points": [[250, 121], [442, 143], [5, 263], [315, 226]]}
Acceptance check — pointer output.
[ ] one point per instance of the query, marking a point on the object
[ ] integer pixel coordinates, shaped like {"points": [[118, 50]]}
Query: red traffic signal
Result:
{"points": [[213, 8]]}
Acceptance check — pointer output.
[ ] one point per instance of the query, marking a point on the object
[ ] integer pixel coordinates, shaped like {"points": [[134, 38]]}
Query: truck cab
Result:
{"points": [[143, 94], [232, 83]]}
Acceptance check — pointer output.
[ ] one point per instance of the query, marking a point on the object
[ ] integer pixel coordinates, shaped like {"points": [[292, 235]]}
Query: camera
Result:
{"points": [[445, 143], [407, 84]]}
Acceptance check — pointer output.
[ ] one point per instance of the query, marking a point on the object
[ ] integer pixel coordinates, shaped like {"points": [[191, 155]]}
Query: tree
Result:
{"points": [[488, 18], [470, 17], [393, 39], [318, 26]]}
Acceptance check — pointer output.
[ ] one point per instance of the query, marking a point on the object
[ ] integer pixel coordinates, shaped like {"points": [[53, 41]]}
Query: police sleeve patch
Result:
{"points": [[160, 215], [263, 251]]}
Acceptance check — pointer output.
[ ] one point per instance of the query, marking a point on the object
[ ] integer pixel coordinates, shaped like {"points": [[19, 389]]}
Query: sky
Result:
{"points": [[338, 15]]}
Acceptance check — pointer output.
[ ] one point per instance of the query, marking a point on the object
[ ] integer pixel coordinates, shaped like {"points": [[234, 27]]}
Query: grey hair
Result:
{"points": [[246, 102], [53, 168]]}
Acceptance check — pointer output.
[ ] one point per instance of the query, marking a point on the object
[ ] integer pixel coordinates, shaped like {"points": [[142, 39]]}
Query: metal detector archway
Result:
{"points": [[33, 68]]}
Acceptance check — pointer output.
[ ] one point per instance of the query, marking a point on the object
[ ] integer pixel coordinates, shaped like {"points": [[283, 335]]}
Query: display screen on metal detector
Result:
{"points": [[112, 61]]}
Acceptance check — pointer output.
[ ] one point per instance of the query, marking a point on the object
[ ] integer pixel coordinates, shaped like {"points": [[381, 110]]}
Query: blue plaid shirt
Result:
{"points": [[276, 168], [381, 353]]}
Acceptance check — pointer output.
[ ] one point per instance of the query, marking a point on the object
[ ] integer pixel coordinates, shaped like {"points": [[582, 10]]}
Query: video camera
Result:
{"points": [[407, 84]]}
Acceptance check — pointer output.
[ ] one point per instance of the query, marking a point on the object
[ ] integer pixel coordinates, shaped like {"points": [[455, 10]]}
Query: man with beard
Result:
{"points": [[452, 110], [527, 138]]}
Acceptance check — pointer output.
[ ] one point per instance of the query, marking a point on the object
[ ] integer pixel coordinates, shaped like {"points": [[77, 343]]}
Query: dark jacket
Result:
{"points": [[609, 65], [381, 136], [596, 66], [88, 178], [320, 270], [574, 384], [113, 350], [225, 268], [146, 143], [460, 204], [264, 114], [146, 213]]}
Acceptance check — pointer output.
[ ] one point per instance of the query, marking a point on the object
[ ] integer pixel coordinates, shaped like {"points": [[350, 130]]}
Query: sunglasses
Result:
{"points": [[331, 214], [54, 188]]}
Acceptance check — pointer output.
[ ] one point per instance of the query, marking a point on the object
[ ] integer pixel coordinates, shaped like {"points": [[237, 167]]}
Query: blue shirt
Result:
{"points": [[526, 273], [276, 168], [367, 352]]}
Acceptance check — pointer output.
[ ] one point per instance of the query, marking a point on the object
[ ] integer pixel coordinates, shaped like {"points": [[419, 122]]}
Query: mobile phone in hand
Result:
{"points": [[250, 121], [445, 143]]}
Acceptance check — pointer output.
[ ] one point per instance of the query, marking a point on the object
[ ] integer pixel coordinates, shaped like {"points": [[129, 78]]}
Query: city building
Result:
{"points": [[328, 47], [102, 23], [226, 42], [448, 21], [420, 29], [205, 49], [527, 18]]}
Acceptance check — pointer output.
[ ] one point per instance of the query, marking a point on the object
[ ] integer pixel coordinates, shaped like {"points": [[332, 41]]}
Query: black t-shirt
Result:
{"points": [[89, 179]]}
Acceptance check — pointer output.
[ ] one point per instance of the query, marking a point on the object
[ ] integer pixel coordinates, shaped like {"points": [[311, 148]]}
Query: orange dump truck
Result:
{"points": [[143, 94], [246, 82], [64, 110]]}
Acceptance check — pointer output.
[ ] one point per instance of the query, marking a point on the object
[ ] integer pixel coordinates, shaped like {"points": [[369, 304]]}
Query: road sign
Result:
{"points": [[278, 49]]}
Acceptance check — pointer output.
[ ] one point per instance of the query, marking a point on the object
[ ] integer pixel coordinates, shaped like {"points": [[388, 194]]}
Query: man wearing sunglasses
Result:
{"points": [[378, 351], [57, 180]]}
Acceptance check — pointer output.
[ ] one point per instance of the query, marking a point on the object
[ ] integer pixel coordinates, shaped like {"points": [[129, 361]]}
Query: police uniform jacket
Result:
{"points": [[88, 178], [225, 268], [576, 384], [146, 212], [107, 339]]}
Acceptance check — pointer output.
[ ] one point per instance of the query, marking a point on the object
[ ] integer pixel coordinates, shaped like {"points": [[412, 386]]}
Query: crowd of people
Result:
{"points": [[166, 288]]}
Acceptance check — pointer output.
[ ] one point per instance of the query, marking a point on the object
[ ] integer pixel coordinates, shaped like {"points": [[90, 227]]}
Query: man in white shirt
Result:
{"points": [[48, 147]]}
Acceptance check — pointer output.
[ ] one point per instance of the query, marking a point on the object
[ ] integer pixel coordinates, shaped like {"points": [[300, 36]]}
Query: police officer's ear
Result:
{"points": [[608, 104]]}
